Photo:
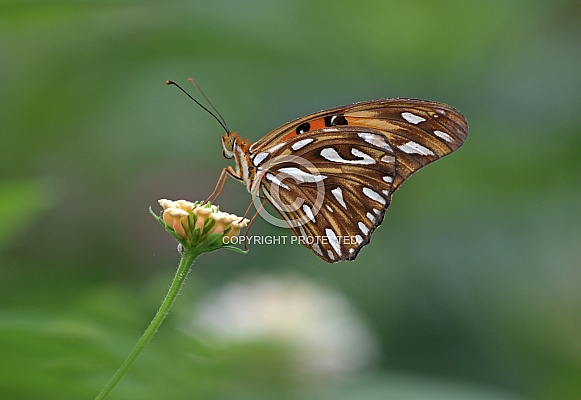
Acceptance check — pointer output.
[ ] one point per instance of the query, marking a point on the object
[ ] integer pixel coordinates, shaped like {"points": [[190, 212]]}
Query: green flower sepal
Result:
{"points": [[199, 226]]}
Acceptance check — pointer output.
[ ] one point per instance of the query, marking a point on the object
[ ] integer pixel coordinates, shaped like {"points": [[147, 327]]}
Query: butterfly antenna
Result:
{"points": [[222, 124], [209, 102]]}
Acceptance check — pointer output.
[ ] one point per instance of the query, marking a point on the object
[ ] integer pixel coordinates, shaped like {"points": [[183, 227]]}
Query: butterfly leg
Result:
{"points": [[229, 171]]}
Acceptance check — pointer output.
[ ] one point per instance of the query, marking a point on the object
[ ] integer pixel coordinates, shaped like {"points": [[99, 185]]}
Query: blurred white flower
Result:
{"points": [[322, 328]]}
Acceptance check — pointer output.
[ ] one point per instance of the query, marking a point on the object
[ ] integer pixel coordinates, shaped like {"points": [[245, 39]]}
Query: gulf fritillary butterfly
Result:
{"points": [[331, 174]]}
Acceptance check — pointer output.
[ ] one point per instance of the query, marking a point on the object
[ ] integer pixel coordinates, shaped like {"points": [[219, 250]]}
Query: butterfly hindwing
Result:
{"points": [[332, 186]]}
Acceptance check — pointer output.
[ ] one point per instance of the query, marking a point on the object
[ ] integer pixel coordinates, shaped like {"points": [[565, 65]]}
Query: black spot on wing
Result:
{"points": [[333, 120], [303, 128]]}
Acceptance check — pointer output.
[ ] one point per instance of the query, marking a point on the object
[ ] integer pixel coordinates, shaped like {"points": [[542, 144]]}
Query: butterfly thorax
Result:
{"points": [[233, 146]]}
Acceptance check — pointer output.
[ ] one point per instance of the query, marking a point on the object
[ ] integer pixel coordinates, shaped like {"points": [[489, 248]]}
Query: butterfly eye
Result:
{"points": [[302, 128]]}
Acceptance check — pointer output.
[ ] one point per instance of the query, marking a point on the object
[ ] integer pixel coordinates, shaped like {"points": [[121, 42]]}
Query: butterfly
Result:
{"points": [[331, 174]]}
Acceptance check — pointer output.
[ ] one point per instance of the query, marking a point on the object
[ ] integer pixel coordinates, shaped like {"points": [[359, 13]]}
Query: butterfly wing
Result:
{"points": [[359, 155], [420, 131], [332, 186]]}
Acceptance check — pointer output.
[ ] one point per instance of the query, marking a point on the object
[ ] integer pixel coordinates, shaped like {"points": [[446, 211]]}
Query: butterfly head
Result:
{"points": [[235, 147], [232, 143], [228, 143]]}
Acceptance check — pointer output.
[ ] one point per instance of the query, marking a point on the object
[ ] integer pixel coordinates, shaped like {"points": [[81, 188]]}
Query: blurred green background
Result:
{"points": [[470, 290]]}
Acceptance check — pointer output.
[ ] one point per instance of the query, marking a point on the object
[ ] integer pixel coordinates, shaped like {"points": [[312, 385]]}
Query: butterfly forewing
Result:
{"points": [[419, 131]]}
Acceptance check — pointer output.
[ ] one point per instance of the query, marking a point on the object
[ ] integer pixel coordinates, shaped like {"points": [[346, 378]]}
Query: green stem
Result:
{"points": [[188, 257]]}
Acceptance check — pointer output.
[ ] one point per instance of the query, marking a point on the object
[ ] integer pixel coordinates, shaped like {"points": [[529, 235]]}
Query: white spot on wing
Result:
{"points": [[367, 159], [317, 249], [358, 239], [276, 181], [373, 195], [301, 143], [331, 255], [329, 208], [275, 148], [371, 217], [375, 140], [302, 176], [412, 118], [338, 193], [443, 135], [387, 159], [331, 154], [309, 212], [363, 228], [388, 179], [413, 147], [333, 240], [259, 158]]}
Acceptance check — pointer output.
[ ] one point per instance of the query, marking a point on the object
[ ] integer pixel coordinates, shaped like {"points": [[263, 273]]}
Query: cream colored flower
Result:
{"points": [[202, 214], [199, 223], [236, 226]]}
